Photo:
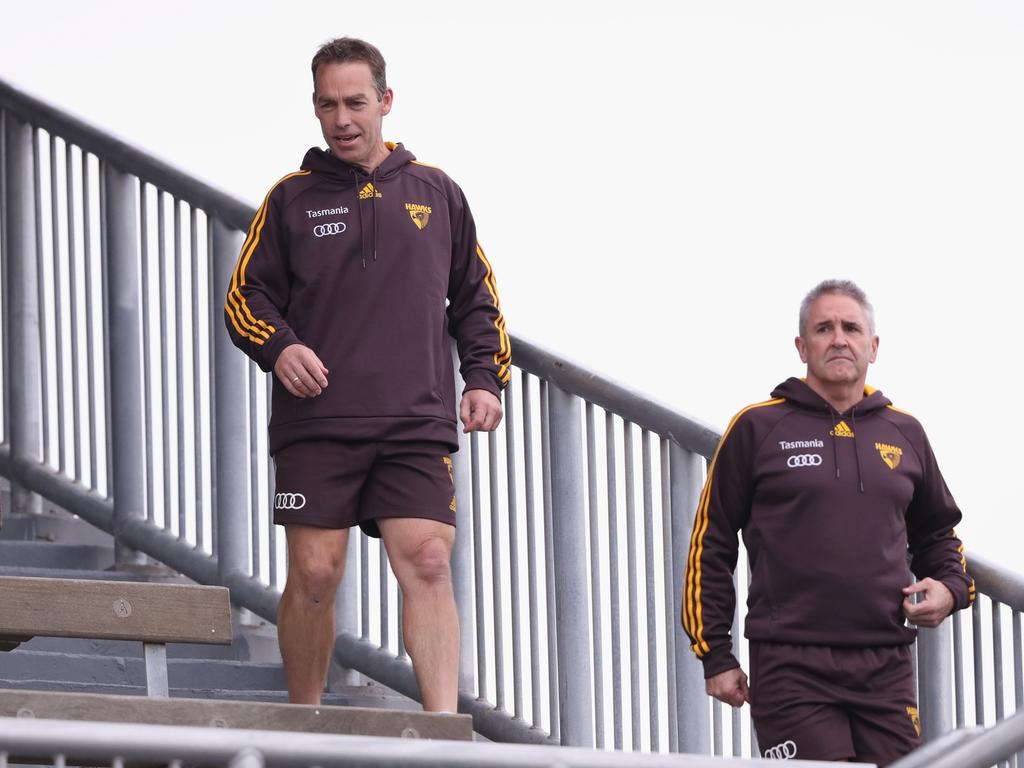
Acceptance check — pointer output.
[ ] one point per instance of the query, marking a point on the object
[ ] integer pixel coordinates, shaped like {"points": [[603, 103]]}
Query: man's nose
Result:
{"points": [[341, 118]]}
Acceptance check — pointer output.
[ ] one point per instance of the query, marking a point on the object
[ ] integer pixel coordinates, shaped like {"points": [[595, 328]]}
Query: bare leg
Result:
{"points": [[420, 553], [305, 616]]}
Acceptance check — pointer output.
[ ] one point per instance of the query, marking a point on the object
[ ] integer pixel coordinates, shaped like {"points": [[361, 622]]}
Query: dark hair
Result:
{"points": [[344, 49], [843, 288]]}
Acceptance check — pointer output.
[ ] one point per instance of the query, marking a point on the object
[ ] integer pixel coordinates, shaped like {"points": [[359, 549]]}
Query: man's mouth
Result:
{"points": [[348, 139]]}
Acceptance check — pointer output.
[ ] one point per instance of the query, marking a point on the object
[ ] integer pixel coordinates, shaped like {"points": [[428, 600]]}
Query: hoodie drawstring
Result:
{"points": [[835, 449], [373, 210], [856, 452], [359, 206]]}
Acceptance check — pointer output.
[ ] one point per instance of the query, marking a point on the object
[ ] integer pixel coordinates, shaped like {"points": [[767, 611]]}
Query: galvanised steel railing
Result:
{"points": [[125, 402], [60, 743]]}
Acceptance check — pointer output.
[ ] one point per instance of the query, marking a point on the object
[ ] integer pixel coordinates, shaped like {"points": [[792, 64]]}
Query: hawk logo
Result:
{"points": [[891, 454], [451, 475], [369, 191], [420, 214], [842, 430], [912, 711]]}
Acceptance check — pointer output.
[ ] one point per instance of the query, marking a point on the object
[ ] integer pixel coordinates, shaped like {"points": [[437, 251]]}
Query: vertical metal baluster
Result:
{"points": [[89, 255], [253, 379], [402, 653], [213, 280], [147, 347], [631, 581], [385, 595], [716, 721], [44, 377], [108, 401], [498, 619], [651, 593], [671, 609], [1018, 677], [76, 420], [58, 301], [958, 668], [549, 564], [179, 381], [514, 546], [197, 393], [979, 667], [165, 346], [997, 666], [737, 643], [478, 568], [613, 576], [595, 578], [997, 659], [364, 591], [531, 552]]}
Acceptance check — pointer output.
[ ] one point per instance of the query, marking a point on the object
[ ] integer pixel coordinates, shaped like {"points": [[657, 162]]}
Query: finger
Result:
{"points": [[289, 385], [920, 586], [490, 419], [307, 378], [464, 413]]}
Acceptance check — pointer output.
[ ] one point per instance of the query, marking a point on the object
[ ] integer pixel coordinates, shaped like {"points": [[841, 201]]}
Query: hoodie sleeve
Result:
{"points": [[258, 290], [709, 596], [474, 311], [935, 549]]}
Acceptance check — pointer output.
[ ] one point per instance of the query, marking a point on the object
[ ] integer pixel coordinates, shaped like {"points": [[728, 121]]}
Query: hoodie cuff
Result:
{"points": [[481, 378], [273, 348], [718, 661], [960, 590]]}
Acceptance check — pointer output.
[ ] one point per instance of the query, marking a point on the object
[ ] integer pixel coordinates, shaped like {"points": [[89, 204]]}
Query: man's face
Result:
{"points": [[351, 113], [837, 343]]}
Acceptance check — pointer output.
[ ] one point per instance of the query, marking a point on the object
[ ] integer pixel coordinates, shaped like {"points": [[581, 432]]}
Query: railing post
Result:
{"points": [[231, 418], [935, 680], [462, 552], [571, 578], [124, 319], [21, 322], [346, 600], [691, 699]]}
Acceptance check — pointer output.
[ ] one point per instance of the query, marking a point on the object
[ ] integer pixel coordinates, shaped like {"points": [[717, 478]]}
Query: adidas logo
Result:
{"points": [[369, 191], [842, 430]]}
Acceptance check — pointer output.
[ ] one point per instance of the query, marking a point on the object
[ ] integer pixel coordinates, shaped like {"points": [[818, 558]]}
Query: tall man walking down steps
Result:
{"points": [[356, 270]]}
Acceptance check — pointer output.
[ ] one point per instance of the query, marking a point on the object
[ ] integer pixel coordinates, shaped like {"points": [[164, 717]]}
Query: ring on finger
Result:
{"points": [[296, 378]]}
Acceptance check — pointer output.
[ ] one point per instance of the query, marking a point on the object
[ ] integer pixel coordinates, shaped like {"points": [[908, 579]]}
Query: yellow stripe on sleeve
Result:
{"points": [[693, 612], [503, 356], [244, 322]]}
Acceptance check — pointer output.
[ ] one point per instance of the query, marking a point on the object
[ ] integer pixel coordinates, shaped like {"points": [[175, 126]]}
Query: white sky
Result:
{"points": [[656, 188]]}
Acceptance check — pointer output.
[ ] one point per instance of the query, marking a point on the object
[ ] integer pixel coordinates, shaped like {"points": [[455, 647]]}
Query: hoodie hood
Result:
{"points": [[801, 395], [323, 162]]}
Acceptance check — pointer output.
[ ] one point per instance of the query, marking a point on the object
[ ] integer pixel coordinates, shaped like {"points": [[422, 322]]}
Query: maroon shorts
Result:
{"points": [[832, 703], [335, 484]]}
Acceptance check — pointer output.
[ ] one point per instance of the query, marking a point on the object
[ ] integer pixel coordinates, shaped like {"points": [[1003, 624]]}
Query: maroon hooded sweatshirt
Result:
{"points": [[373, 273], [829, 505]]}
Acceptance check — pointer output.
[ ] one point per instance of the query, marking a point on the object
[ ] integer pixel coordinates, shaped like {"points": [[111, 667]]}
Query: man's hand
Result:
{"points": [[936, 605], [479, 411], [729, 687], [301, 371]]}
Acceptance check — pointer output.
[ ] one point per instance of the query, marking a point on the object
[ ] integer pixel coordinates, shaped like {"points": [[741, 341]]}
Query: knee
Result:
{"points": [[430, 563], [315, 581]]}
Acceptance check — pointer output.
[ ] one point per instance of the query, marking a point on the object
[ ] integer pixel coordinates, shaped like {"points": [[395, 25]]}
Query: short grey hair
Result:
{"points": [[843, 288]]}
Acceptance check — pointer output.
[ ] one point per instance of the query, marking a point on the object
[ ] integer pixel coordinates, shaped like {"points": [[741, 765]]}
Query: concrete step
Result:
{"points": [[118, 670], [42, 554]]}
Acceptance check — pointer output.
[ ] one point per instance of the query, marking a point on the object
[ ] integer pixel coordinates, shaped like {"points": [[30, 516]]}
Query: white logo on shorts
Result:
{"points": [[289, 501], [784, 751]]}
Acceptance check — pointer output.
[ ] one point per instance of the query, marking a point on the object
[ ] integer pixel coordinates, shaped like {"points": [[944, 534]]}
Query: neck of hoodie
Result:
{"points": [[842, 397]]}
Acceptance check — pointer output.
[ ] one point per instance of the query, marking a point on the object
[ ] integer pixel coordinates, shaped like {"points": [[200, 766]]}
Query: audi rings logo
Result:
{"points": [[333, 228], [784, 751], [804, 460], [289, 501]]}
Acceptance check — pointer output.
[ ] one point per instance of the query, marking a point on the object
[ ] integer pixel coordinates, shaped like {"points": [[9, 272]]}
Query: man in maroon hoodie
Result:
{"points": [[357, 270], [831, 486]]}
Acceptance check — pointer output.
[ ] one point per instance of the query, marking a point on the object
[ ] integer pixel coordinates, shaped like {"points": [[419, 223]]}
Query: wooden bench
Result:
{"points": [[157, 614]]}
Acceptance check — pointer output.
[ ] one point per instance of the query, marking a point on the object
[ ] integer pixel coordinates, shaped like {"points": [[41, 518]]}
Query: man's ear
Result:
{"points": [[801, 348]]}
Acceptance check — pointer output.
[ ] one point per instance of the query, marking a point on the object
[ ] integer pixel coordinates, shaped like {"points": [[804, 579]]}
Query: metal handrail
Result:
{"points": [[232, 211]]}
